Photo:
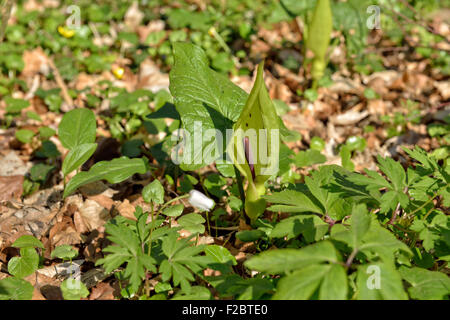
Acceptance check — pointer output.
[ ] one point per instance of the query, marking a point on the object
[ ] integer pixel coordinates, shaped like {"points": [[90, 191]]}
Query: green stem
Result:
{"points": [[240, 184], [425, 203], [171, 201]]}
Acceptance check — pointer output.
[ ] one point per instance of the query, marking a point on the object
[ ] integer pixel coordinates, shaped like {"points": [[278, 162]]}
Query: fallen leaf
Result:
{"points": [[11, 187]]}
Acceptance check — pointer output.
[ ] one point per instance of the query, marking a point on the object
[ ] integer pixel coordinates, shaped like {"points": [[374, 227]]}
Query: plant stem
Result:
{"points": [[349, 261], [397, 210], [5, 14], [240, 185], [171, 201], [425, 203]]}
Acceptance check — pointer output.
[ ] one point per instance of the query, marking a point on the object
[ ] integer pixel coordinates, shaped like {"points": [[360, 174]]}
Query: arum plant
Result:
{"points": [[257, 129], [318, 38]]}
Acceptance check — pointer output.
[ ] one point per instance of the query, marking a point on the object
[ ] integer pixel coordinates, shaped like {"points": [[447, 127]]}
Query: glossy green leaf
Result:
{"points": [[24, 135], [202, 95], [285, 260], [114, 171], [65, 252], [27, 241], [153, 192], [77, 156], [77, 127], [24, 265], [13, 288]]}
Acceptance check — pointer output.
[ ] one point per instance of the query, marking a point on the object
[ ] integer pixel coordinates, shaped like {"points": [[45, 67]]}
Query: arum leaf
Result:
{"points": [[114, 171], [319, 32], [258, 114], [77, 156], [204, 96], [77, 127]]}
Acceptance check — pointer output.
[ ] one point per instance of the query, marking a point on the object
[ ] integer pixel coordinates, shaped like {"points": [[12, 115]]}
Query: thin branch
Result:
{"points": [[5, 15], [65, 93], [350, 258], [397, 209]]}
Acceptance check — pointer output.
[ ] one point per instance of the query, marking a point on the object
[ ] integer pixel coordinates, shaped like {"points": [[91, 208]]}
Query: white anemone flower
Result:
{"points": [[200, 201]]}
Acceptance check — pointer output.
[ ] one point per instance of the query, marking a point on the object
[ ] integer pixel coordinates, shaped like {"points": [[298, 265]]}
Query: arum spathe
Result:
{"points": [[254, 147], [318, 37]]}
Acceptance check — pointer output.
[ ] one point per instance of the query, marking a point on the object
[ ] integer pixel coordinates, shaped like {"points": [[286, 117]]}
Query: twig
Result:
{"points": [[65, 93], [419, 23], [397, 209], [226, 228], [352, 255], [5, 14]]}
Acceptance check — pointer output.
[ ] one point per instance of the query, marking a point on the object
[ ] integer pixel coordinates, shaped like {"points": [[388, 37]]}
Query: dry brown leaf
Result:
{"points": [[126, 210], [35, 61], [133, 17], [102, 291], [63, 232], [104, 201], [11, 187], [93, 214], [11, 165], [151, 78]]}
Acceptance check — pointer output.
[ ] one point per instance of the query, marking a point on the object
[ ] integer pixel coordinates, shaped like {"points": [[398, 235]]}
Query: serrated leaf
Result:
{"points": [[285, 260], [192, 222], [113, 171], [77, 127], [360, 224], [301, 284], [311, 226], [195, 293], [182, 261], [294, 201], [308, 158], [220, 254], [334, 284], [379, 282], [425, 284]]}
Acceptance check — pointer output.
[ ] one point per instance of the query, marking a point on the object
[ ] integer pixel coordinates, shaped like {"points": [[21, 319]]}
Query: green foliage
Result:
{"points": [[13, 288], [258, 114], [73, 289], [217, 102], [153, 192], [27, 241], [318, 36], [77, 127], [24, 265], [113, 171], [77, 156], [64, 252]]}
